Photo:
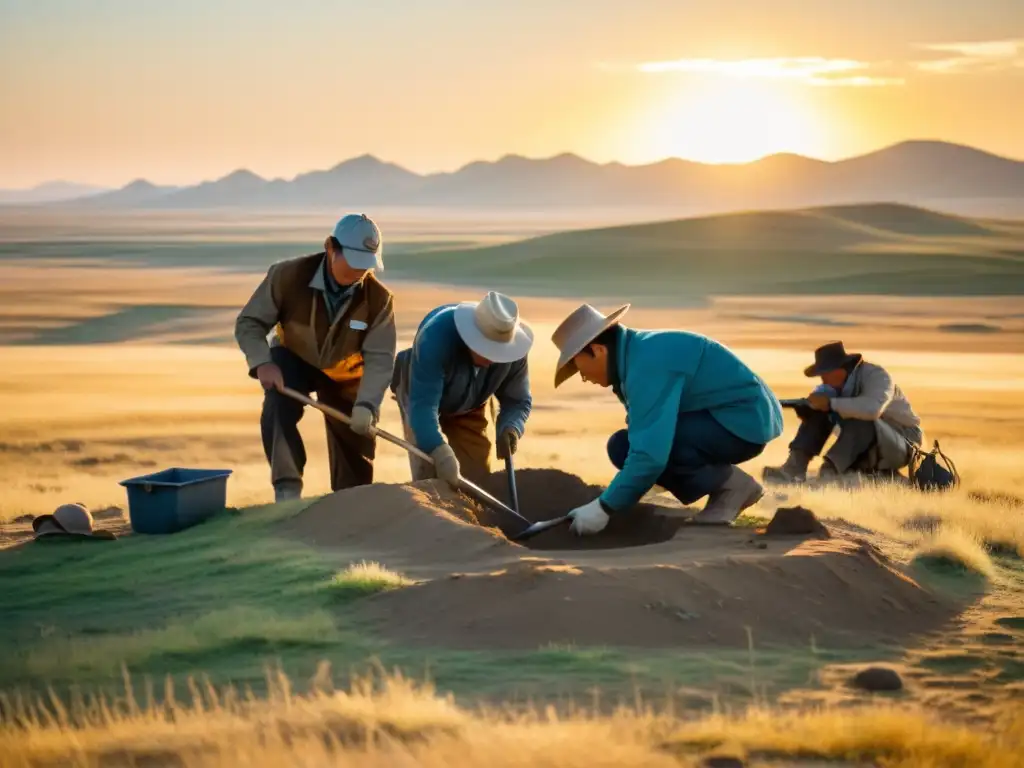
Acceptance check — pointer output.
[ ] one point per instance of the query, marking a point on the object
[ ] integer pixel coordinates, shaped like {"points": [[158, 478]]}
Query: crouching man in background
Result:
{"points": [[694, 411], [462, 356], [334, 335], [876, 423]]}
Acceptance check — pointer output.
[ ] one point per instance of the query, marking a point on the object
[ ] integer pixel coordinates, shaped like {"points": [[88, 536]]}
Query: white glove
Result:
{"points": [[362, 421], [446, 465], [588, 519]]}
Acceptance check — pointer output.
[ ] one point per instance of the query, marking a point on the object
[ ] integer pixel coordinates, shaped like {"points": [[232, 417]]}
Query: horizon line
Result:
{"points": [[100, 189]]}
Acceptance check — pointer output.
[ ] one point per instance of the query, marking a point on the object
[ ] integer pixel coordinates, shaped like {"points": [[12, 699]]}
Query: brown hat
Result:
{"points": [[69, 520], [576, 332], [830, 357]]}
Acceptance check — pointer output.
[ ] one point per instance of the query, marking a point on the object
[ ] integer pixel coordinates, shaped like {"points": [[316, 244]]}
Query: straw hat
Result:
{"points": [[575, 332], [492, 328]]}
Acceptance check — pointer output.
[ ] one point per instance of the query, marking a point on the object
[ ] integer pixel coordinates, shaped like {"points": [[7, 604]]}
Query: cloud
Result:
{"points": [[984, 56], [812, 70]]}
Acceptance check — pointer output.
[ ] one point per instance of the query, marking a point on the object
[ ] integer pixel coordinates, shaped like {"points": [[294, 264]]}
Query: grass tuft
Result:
{"points": [[955, 549], [366, 578]]}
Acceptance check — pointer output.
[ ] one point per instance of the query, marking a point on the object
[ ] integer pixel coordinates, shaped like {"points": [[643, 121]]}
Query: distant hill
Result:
{"points": [[138, 194], [51, 191], [875, 249], [913, 172]]}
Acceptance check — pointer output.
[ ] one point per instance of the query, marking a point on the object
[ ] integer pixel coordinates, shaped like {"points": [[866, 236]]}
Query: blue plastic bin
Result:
{"points": [[174, 499]]}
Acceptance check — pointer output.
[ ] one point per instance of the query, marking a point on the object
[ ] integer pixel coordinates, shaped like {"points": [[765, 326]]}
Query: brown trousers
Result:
{"points": [[350, 455], [467, 435]]}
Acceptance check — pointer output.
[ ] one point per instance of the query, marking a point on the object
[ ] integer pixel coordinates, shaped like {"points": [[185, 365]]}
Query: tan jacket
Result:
{"points": [[872, 395], [357, 349]]}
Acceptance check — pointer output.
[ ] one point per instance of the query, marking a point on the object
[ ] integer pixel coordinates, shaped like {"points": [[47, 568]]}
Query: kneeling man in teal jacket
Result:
{"points": [[694, 411]]}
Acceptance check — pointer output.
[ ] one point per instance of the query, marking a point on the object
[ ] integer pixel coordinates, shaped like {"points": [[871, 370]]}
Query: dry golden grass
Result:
{"points": [[79, 418], [956, 548], [394, 722], [117, 410]]}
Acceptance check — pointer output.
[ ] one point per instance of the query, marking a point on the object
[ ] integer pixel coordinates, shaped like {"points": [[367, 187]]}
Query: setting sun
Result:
{"points": [[730, 120]]}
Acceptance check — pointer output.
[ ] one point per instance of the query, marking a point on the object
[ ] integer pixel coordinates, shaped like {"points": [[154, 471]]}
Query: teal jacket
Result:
{"points": [[662, 374]]}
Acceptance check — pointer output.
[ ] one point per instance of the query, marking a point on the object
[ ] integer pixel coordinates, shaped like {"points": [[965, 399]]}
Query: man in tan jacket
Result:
{"points": [[877, 425], [334, 334]]}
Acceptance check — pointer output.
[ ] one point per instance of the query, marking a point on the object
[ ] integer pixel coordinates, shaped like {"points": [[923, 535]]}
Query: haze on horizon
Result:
{"points": [[182, 92]]}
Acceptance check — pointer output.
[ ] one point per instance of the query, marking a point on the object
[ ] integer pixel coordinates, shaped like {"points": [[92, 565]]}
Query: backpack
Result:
{"points": [[928, 474]]}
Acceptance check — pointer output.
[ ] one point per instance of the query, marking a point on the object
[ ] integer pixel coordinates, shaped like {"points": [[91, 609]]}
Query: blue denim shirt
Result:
{"points": [[440, 378]]}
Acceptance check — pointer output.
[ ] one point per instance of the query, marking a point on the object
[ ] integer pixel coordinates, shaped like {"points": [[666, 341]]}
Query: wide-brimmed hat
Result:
{"points": [[492, 328], [360, 240], [830, 357], [575, 332], [69, 520]]}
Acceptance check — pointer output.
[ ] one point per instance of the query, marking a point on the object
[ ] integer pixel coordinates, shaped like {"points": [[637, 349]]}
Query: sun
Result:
{"points": [[734, 120]]}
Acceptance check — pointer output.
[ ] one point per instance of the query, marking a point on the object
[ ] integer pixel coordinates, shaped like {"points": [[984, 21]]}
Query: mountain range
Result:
{"points": [[912, 172], [48, 192]]}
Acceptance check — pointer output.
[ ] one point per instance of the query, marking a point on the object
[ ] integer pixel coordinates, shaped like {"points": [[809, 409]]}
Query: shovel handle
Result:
{"points": [[513, 494], [336, 414], [470, 488]]}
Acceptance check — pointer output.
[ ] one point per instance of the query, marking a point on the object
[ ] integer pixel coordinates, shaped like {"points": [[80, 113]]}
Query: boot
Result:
{"points": [[793, 471], [287, 490], [738, 492], [830, 477]]}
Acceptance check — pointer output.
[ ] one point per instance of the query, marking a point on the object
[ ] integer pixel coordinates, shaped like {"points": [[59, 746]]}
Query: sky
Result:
{"points": [[178, 92]]}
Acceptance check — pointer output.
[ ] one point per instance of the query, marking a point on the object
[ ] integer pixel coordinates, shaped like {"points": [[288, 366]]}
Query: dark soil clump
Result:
{"points": [[545, 494], [796, 521]]}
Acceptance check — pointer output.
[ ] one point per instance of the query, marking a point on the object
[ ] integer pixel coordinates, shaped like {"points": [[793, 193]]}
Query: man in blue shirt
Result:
{"points": [[694, 411], [462, 356]]}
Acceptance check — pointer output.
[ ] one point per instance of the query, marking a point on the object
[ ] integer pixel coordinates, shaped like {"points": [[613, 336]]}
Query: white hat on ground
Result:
{"points": [[69, 520], [492, 328]]}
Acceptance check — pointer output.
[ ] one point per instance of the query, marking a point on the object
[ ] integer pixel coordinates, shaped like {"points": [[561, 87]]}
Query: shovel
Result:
{"points": [[510, 470], [540, 527], [470, 489], [534, 528]]}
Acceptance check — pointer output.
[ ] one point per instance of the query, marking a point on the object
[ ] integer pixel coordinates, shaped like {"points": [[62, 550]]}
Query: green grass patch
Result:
{"points": [[231, 598]]}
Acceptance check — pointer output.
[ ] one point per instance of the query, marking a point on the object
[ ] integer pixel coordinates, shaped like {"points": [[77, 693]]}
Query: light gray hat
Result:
{"points": [[69, 520], [492, 328], [360, 240]]}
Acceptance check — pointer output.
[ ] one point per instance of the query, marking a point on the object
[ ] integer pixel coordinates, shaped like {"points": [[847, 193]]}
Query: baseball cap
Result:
{"points": [[360, 241]]}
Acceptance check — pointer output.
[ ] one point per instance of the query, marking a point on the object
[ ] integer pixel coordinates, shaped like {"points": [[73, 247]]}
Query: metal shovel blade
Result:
{"points": [[540, 527]]}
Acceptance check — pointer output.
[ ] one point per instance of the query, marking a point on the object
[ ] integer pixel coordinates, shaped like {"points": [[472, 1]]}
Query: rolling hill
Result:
{"points": [[875, 249], [914, 172]]}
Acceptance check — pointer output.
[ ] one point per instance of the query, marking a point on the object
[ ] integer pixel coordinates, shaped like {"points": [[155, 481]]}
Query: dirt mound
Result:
{"points": [[646, 581], [834, 592], [795, 521], [426, 522]]}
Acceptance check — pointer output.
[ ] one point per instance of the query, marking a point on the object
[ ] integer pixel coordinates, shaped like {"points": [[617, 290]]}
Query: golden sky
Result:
{"points": [[178, 92]]}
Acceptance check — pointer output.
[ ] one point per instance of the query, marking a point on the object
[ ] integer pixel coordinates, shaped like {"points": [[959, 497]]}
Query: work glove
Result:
{"points": [[362, 421], [588, 519], [508, 442], [446, 465]]}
